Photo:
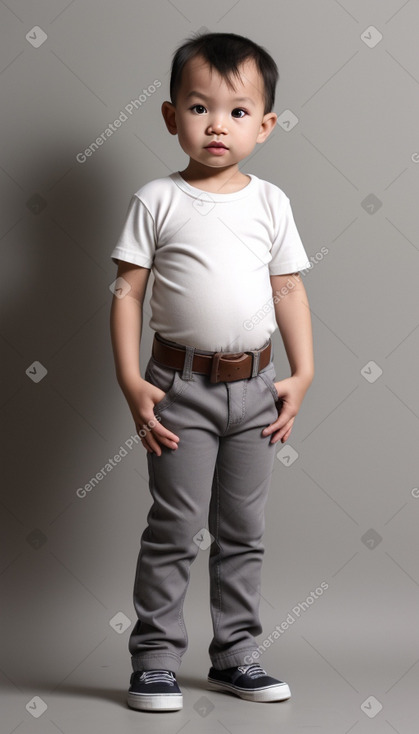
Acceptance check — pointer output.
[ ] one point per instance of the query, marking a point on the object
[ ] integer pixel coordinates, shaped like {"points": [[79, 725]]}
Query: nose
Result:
{"points": [[217, 126]]}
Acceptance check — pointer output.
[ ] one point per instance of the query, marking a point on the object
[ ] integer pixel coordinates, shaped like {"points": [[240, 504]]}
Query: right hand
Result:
{"points": [[142, 396]]}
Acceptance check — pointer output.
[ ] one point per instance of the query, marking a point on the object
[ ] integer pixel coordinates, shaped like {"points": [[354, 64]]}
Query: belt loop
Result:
{"points": [[188, 363], [255, 362]]}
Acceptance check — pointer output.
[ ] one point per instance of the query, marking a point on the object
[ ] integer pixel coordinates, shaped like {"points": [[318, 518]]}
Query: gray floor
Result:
{"points": [[339, 678]]}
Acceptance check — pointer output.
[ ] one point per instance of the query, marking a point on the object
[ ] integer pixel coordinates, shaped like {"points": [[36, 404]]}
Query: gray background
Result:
{"points": [[344, 512]]}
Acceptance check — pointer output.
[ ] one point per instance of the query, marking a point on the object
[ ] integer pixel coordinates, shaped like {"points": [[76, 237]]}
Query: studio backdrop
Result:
{"points": [[81, 86]]}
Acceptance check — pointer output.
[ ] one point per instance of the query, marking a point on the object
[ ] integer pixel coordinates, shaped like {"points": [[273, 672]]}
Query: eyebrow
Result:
{"points": [[247, 100]]}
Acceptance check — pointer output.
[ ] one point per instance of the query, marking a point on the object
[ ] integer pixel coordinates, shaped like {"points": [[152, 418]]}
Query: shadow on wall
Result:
{"points": [[63, 416]]}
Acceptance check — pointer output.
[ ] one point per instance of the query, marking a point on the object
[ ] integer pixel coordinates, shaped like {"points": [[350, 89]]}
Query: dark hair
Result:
{"points": [[225, 52]]}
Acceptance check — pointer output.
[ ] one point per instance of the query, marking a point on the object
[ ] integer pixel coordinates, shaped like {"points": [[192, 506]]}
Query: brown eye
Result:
{"points": [[199, 109], [238, 112]]}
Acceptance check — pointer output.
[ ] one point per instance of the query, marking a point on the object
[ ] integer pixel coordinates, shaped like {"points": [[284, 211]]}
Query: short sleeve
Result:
{"points": [[136, 243], [288, 253]]}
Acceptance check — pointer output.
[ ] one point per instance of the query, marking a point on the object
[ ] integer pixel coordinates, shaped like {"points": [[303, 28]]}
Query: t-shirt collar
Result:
{"points": [[210, 195]]}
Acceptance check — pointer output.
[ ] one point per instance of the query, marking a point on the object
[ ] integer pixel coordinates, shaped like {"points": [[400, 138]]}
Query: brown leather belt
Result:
{"points": [[220, 366]]}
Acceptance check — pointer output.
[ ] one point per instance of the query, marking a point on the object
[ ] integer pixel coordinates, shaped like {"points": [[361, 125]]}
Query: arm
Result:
{"points": [[292, 314], [126, 329]]}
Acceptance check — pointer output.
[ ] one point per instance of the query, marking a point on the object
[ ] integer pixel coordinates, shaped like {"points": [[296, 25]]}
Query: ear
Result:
{"points": [[169, 113], [267, 125]]}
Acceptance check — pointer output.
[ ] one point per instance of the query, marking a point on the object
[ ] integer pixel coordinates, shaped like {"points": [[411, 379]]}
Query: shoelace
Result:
{"points": [[254, 670], [158, 676]]}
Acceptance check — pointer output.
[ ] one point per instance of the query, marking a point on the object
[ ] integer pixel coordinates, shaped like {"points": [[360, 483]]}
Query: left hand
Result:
{"points": [[291, 391]]}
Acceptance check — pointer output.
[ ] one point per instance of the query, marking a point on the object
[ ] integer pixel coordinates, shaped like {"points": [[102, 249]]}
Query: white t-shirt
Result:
{"points": [[211, 255]]}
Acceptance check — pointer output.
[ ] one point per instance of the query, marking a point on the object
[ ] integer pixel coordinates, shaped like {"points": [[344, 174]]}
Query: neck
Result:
{"points": [[214, 179]]}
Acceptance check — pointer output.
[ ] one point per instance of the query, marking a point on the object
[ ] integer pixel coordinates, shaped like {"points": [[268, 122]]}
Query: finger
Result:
{"points": [[146, 436], [165, 433], [277, 437], [156, 427], [274, 438], [283, 433], [160, 436], [164, 436], [286, 435], [153, 431], [283, 419], [152, 444], [146, 446]]}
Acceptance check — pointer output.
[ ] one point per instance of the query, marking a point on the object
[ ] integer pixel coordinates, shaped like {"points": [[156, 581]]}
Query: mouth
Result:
{"points": [[216, 148], [214, 144]]}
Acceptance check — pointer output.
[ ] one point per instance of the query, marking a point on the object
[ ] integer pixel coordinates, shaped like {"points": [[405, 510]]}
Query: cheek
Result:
{"points": [[250, 133], [191, 129]]}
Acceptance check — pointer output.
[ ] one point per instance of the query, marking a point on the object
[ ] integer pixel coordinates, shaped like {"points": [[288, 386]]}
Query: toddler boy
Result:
{"points": [[226, 256]]}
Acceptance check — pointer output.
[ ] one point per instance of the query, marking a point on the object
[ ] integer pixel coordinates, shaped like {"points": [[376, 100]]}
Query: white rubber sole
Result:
{"points": [[155, 701], [263, 695]]}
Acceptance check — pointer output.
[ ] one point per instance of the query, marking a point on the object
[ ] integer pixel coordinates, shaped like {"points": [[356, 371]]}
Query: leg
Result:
{"points": [[180, 484], [237, 521]]}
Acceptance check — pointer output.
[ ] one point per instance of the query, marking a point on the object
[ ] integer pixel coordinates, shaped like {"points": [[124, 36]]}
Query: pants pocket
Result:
{"points": [[166, 379], [268, 376]]}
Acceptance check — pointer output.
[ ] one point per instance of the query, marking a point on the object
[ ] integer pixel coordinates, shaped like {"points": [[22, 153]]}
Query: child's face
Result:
{"points": [[207, 110]]}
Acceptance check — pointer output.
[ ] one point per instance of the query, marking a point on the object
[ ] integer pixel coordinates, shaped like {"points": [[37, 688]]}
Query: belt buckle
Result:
{"points": [[255, 354], [217, 357]]}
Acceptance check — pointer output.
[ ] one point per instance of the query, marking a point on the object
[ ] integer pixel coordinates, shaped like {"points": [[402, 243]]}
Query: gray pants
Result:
{"points": [[217, 480]]}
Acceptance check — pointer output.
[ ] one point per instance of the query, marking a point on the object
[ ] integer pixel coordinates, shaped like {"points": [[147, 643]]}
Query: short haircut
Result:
{"points": [[225, 52]]}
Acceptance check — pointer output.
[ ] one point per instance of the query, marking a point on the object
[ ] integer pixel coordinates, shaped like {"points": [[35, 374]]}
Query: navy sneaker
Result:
{"points": [[154, 690], [250, 682]]}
